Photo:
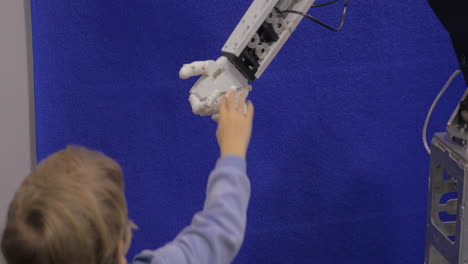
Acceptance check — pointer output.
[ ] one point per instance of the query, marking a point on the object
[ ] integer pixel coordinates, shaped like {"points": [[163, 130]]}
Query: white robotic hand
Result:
{"points": [[217, 78], [253, 44]]}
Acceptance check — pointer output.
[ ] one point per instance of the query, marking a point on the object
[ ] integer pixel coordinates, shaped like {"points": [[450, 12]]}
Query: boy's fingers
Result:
{"points": [[241, 102], [222, 104], [250, 110], [232, 100]]}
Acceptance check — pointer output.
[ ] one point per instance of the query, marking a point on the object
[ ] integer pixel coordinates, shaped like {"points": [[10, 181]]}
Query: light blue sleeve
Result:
{"points": [[216, 233]]}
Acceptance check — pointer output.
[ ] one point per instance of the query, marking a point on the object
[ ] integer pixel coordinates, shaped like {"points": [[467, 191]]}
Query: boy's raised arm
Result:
{"points": [[216, 233]]}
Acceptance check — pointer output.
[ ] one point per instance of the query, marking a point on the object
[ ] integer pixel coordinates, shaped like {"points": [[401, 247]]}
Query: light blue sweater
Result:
{"points": [[216, 233]]}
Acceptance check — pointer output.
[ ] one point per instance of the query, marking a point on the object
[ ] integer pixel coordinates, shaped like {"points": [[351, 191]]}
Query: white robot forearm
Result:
{"points": [[252, 46]]}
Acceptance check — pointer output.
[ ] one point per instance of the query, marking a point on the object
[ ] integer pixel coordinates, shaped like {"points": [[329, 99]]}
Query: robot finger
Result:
{"points": [[194, 69]]}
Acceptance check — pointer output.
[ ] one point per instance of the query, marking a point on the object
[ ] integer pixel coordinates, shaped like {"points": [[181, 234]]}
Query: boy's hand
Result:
{"points": [[234, 125]]}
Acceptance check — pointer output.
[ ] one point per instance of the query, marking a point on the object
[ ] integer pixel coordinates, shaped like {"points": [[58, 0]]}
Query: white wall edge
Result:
{"points": [[17, 108]]}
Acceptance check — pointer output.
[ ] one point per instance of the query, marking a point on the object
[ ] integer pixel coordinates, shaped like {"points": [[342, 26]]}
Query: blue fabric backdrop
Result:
{"points": [[338, 171]]}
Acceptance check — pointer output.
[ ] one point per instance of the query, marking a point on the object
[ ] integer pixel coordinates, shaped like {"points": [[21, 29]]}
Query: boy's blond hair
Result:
{"points": [[70, 209]]}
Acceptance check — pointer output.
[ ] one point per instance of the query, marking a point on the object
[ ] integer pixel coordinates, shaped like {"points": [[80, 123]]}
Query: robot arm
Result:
{"points": [[256, 40]]}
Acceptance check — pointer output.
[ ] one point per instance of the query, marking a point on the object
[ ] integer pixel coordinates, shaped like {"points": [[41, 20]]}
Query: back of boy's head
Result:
{"points": [[70, 209]]}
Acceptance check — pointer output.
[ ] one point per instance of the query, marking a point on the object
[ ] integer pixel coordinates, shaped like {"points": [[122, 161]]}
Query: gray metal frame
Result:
{"points": [[448, 171]]}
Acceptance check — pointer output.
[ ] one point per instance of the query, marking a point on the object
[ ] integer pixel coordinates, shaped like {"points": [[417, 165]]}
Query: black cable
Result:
{"points": [[324, 4], [320, 22]]}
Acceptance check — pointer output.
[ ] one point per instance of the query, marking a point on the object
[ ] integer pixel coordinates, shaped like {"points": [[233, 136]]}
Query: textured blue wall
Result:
{"points": [[337, 168]]}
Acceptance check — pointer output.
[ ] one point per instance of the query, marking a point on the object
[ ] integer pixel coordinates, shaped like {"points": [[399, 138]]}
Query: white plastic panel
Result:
{"points": [[292, 21], [248, 26]]}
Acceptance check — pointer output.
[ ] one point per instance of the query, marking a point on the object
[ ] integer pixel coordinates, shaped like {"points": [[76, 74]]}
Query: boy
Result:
{"points": [[71, 209]]}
